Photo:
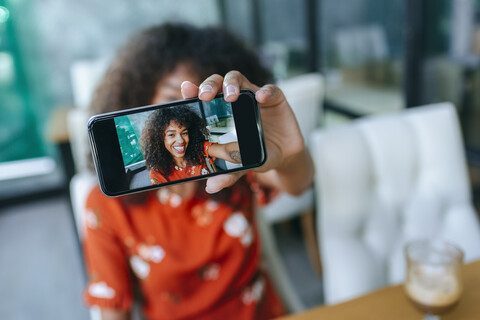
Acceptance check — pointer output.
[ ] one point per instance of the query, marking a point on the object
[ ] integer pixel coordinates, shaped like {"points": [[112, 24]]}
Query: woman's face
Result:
{"points": [[168, 89], [176, 140]]}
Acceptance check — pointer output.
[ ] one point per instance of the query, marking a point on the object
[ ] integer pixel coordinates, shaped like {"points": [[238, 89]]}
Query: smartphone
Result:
{"points": [[159, 145]]}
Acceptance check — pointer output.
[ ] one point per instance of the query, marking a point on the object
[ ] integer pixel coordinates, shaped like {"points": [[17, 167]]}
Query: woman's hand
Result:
{"points": [[288, 166]]}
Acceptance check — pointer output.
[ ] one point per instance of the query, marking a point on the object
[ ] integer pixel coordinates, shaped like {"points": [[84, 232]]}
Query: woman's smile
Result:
{"points": [[179, 149]]}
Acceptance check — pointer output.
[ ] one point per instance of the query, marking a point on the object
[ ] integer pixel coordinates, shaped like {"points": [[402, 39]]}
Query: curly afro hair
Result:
{"points": [[157, 157], [154, 53]]}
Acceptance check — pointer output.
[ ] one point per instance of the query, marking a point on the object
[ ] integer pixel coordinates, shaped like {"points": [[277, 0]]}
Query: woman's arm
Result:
{"points": [[229, 152], [289, 166], [294, 176], [110, 290]]}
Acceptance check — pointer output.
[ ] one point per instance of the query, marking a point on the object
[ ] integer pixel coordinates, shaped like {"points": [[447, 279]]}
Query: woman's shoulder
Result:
{"points": [[96, 196], [97, 201], [101, 211], [114, 213]]}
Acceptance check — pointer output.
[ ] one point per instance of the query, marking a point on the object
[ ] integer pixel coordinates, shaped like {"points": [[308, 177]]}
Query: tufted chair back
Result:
{"points": [[382, 181]]}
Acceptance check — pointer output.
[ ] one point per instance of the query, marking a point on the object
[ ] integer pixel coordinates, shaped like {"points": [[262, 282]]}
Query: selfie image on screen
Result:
{"points": [[178, 142]]}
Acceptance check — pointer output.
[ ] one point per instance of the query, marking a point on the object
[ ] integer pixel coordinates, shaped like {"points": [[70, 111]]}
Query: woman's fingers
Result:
{"points": [[206, 91], [269, 95], [210, 87], [230, 85], [189, 90], [217, 183], [233, 82]]}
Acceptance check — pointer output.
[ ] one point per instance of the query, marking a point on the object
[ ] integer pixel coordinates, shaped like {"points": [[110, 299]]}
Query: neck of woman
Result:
{"points": [[180, 163]]}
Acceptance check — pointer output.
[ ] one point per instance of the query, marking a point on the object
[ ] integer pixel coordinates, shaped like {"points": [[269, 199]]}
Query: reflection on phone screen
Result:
{"points": [[173, 143]]}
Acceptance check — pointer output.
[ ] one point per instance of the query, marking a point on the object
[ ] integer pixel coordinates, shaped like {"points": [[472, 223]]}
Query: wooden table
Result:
{"points": [[391, 303]]}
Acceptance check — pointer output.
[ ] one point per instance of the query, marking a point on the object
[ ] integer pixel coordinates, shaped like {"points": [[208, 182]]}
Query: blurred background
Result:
{"points": [[375, 56]]}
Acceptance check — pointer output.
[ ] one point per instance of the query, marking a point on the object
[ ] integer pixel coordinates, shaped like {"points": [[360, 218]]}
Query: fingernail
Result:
{"points": [[230, 90], [205, 88], [266, 91]]}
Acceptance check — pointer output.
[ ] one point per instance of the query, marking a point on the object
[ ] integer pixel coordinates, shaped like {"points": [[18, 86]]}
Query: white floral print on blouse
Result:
{"points": [[140, 267], [91, 219], [151, 253], [211, 272], [253, 293], [101, 290], [237, 226]]}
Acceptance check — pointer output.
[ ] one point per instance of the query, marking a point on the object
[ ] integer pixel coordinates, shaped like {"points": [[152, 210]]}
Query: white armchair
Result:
{"points": [[85, 75], [384, 180]]}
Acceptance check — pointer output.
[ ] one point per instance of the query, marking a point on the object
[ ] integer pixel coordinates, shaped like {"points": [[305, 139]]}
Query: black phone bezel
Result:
{"points": [[105, 146]]}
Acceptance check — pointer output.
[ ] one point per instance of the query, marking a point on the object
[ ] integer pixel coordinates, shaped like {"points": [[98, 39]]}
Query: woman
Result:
{"points": [[193, 248], [175, 145]]}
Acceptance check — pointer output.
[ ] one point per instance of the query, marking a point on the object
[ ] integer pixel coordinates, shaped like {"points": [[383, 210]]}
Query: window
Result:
{"points": [[362, 54], [40, 47]]}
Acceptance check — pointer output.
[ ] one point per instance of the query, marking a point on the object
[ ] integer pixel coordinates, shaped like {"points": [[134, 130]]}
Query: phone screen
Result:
{"points": [[160, 145]]}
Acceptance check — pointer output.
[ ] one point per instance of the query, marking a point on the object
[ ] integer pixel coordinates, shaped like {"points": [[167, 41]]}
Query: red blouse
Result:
{"points": [[196, 259], [183, 173]]}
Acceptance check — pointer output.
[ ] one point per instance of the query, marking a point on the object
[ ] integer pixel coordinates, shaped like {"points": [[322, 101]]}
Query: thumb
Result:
{"points": [[217, 183]]}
